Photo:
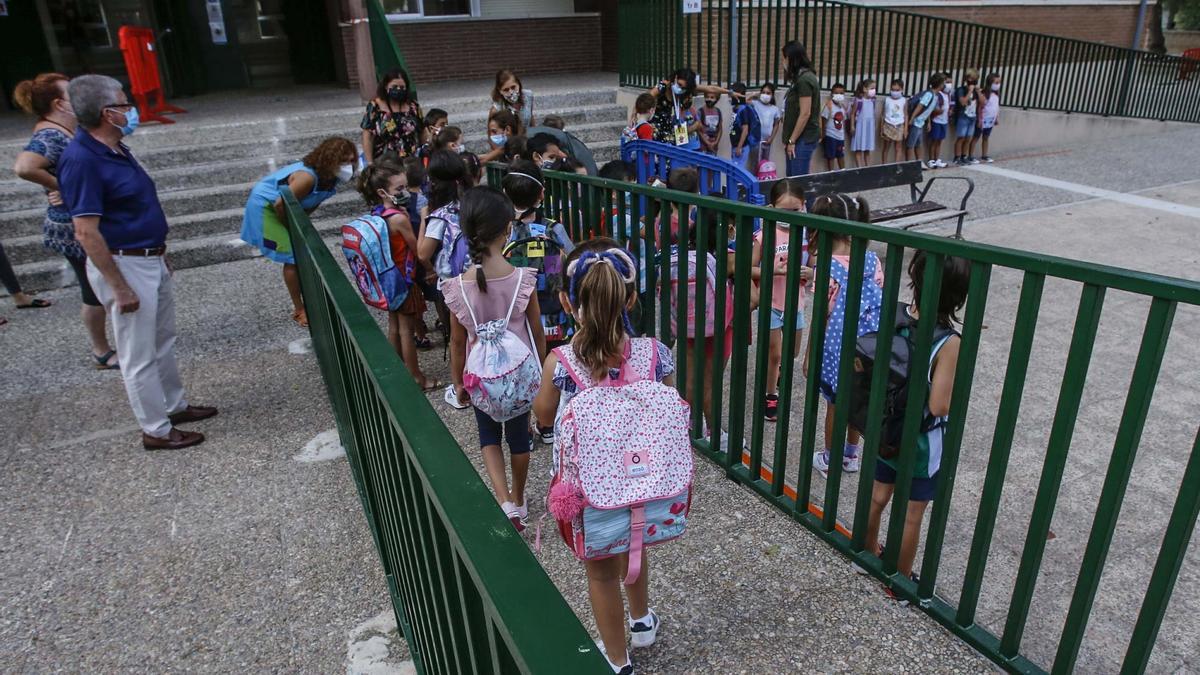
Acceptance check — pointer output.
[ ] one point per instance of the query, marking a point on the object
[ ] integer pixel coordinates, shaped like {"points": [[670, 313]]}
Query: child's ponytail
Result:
{"points": [[599, 290], [484, 215]]}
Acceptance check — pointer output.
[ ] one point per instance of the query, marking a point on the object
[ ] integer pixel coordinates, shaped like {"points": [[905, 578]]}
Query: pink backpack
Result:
{"points": [[623, 477], [710, 295], [766, 170]]}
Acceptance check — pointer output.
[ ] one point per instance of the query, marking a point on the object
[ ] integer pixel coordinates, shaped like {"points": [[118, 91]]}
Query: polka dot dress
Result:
{"points": [[868, 317]]}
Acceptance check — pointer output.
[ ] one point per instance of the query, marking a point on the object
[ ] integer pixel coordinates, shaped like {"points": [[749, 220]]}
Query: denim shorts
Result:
{"points": [[964, 126], [914, 136], [923, 489], [777, 319], [515, 430], [937, 131], [834, 148]]}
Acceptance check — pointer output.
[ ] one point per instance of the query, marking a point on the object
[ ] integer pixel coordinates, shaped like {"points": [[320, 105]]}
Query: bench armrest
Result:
{"points": [[920, 196]]}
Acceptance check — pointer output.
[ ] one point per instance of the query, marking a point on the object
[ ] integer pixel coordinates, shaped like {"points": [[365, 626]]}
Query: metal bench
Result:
{"points": [[919, 211]]}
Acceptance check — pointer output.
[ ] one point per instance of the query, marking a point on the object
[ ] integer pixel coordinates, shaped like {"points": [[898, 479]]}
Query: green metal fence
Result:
{"points": [[777, 466], [733, 40], [467, 592]]}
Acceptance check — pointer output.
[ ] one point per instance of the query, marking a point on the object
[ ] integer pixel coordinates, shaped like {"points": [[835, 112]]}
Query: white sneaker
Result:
{"points": [[941, 163], [523, 511], [451, 398], [626, 669], [643, 634], [821, 462], [514, 515], [851, 463], [547, 436]]}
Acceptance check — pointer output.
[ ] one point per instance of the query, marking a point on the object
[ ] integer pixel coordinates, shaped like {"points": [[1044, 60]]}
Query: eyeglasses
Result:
{"points": [[118, 105]]}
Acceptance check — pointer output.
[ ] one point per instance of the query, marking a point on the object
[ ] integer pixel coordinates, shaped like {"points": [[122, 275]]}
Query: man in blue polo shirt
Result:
{"points": [[122, 228]]}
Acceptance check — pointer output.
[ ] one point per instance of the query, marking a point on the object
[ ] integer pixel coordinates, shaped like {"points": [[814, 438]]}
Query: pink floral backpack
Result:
{"points": [[501, 374], [623, 477]]}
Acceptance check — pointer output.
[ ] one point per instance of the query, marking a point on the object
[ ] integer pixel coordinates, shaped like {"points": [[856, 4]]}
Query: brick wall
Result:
{"points": [[1110, 24], [477, 48]]}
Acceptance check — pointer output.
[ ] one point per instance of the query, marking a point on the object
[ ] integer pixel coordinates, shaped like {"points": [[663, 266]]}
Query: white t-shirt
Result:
{"points": [[991, 111], [893, 111], [835, 121], [767, 116], [944, 116]]}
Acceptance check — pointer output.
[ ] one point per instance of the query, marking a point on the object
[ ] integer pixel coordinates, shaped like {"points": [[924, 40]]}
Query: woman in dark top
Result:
{"points": [[669, 109], [392, 123], [801, 127], [46, 97]]}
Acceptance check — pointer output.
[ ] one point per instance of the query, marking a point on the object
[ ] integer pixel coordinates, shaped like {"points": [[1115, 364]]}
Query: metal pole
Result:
{"points": [[733, 41], [1141, 23]]}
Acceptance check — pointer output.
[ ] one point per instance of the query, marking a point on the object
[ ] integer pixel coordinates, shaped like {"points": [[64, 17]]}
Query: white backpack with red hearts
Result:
{"points": [[623, 478]]}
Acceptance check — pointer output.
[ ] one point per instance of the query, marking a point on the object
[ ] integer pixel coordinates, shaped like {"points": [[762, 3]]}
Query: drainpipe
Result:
{"points": [[1141, 23]]}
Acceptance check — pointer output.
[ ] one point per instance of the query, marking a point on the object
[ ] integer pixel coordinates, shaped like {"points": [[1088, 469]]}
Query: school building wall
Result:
{"points": [[470, 48], [1110, 22]]}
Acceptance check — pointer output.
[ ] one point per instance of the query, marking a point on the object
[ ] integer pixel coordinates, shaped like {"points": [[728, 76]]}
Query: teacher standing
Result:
{"points": [[801, 128]]}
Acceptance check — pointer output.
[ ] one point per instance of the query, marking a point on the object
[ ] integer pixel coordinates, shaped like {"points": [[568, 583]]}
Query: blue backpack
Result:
{"points": [[368, 252], [454, 256]]}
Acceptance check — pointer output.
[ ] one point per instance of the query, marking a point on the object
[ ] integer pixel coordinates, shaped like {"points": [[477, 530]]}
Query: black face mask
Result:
{"points": [[400, 199], [710, 104], [398, 94]]}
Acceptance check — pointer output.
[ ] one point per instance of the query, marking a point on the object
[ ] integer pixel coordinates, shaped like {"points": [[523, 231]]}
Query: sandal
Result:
{"points": [[432, 385], [36, 303], [423, 343], [300, 317], [102, 360]]}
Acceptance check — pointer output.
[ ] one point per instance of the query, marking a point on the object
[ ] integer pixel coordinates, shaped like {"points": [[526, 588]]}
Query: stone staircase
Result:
{"points": [[205, 165]]}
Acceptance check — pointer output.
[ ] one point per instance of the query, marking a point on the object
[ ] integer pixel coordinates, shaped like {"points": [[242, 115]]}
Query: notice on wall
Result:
{"points": [[691, 6], [216, 22]]}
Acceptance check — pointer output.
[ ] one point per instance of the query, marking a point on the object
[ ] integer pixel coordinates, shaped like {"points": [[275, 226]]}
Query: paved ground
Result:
{"points": [[239, 556]]}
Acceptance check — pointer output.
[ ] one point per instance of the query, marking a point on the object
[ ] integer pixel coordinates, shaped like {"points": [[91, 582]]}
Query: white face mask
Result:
{"points": [[345, 173], [870, 93], [995, 86], [949, 86], [513, 96], [838, 98], [765, 98], [897, 94]]}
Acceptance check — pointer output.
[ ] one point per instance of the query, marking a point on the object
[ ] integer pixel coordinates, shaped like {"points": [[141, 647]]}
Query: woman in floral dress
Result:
{"points": [[393, 121]]}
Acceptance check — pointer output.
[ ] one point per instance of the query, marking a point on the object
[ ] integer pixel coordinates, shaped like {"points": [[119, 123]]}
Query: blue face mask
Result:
{"points": [[131, 122], [676, 89], [498, 139]]}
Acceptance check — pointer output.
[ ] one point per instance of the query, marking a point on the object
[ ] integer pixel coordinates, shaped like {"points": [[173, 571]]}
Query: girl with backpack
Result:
{"points": [[956, 276], [384, 187], [495, 336], [845, 207], [601, 289], [786, 195]]}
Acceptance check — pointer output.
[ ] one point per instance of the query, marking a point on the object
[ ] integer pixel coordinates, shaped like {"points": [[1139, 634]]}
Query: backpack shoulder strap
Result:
{"points": [[566, 356], [516, 294], [462, 291]]}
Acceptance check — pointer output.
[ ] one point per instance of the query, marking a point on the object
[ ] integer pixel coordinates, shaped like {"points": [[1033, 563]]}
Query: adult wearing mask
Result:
{"points": [[46, 96], [121, 226], [673, 97], [393, 122], [312, 180], [509, 94], [801, 128]]}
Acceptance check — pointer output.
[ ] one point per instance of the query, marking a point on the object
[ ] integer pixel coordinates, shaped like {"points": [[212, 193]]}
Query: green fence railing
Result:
{"points": [[777, 465], [731, 40], [467, 592]]}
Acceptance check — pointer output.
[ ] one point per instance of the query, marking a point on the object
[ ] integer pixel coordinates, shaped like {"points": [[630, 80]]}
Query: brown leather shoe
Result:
{"points": [[192, 413], [177, 439]]}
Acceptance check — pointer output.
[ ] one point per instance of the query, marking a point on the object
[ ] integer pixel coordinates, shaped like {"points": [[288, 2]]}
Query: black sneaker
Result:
{"points": [[771, 409]]}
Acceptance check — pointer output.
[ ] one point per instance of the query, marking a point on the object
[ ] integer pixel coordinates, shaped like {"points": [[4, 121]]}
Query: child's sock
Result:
{"points": [[648, 619], [852, 450]]}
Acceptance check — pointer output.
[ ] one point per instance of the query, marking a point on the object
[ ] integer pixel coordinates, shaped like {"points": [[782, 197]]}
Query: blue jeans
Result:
{"points": [[799, 165]]}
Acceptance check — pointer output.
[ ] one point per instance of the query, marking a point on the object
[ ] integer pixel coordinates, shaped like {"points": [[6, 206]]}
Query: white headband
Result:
{"points": [[525, 175]]}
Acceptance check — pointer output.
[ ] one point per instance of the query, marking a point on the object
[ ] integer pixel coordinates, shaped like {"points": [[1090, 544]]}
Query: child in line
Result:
{"points": [[833, 127], [926, 106], [989, 116], [384, 187], [939, 123], [490, 290], [417, 207], [435, 120], [943, 361], [600, 292], [966, 113], [712, 123], [745, 133], [894, 121], [845, 207], [768, 116], [639, 123], [786, 195], [449, 138], [862, 123], [501, 126]]}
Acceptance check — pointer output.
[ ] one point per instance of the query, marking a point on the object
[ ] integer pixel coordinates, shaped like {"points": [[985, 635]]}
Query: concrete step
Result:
{"points": [[463, 112]]}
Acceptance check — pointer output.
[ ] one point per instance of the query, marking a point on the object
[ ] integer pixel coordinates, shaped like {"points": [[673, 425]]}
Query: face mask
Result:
{"points": [[398, 94], [498, 139], [345, 173], [547, 164], [677, 90], [948, 87], [131, 122], [897, 94], [513, 96], [996, 86], [400, 199], [460, 149], [838, 98], [871, 93], [709, 103], [765, 98]]}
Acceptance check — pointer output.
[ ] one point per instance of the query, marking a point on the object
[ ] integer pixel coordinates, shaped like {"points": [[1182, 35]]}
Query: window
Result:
{"points": [[409, 9], [270, 17], [80, 24]]}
